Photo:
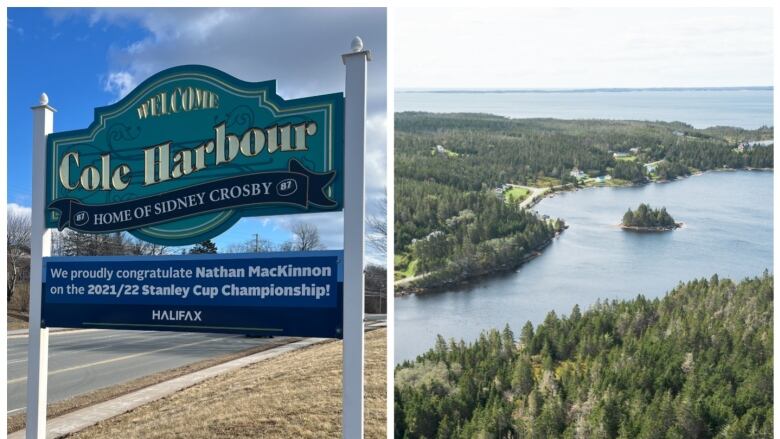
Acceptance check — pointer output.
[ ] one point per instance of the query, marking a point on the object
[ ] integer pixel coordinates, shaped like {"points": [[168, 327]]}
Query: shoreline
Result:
{"points": [[639, 229], [550, 192], [455, 283]]}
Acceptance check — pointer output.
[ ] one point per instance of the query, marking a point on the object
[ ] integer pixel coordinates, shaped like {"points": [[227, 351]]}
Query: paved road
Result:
{"points": [[83, 361]]}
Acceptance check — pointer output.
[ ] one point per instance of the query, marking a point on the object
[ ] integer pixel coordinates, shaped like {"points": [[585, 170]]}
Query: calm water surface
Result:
{"points": [[728, 230], [748, 108]]}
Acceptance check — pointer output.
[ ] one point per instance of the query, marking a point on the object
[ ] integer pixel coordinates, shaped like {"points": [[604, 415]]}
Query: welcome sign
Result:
{"points": [[192, 150]]}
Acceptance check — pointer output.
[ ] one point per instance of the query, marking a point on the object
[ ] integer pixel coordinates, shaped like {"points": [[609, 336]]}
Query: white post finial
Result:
{"points": [[357, 44], [44, 99]]}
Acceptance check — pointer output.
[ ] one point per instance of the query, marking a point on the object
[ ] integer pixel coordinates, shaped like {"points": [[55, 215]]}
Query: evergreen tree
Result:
{"points": [[204, 247]]}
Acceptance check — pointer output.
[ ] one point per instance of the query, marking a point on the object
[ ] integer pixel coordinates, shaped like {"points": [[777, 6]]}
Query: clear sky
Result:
{"points": [[582, 47], [86, 58]]}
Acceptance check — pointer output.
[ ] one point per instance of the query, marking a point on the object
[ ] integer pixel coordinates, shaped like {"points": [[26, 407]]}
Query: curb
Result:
{"points": [[83, 418]]}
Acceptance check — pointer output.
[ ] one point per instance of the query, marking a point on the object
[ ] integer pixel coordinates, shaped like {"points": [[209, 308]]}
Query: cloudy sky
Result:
{"points": [[582, 47], [96, 56]]}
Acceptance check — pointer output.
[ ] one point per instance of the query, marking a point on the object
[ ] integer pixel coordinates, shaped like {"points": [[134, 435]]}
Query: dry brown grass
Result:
{"points": [[55, 409], [16, 323], [295, 395]]}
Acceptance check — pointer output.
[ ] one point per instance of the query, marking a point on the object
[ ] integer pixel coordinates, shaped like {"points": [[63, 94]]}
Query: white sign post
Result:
{"points": [[40, 247], [354, 209]]}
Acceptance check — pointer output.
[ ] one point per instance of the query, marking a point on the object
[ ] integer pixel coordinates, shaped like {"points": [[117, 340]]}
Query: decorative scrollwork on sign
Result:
{"points": [[120, 132], [240, 118]]}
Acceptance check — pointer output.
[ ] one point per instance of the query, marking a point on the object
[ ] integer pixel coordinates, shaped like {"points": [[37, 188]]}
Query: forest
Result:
{"points": [[451, 224], [645, 217], [696, 363], [456, 235]]}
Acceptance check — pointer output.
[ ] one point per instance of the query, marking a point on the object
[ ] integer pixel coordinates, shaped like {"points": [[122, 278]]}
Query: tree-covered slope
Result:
{"points": [[694, 364]]}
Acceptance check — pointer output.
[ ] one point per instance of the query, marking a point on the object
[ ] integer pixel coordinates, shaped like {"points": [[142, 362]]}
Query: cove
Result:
{"points": [[728, 231]]}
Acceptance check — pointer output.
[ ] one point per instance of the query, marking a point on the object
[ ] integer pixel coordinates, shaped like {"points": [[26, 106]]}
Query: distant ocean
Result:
{"points": [[749, 107]]}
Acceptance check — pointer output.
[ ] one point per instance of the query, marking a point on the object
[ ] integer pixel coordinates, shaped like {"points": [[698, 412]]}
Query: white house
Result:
{"points": [[576, 173]]}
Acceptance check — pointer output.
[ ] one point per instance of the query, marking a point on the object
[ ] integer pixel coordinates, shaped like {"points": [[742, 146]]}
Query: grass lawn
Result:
{"points": [[451, 154], [630, 158], [16, 323], [546, 182], [405, 266], [517, 194], [295, 395]]}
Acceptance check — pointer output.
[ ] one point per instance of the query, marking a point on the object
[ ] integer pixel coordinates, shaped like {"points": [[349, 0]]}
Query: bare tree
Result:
{"points": [[71, 243], [377, 227], [135, 246], [254, 245], [19, 232], [306, 237]]}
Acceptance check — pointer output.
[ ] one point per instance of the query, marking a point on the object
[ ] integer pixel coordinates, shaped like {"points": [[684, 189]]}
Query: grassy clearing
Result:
{"points": [[546, 182], [295, 395], [18, 420], [630, 158], [405, 266], [516, 194]]}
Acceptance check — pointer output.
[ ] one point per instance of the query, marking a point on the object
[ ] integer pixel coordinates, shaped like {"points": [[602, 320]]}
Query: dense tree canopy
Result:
{"points": [[694, 364], [646, 216]]}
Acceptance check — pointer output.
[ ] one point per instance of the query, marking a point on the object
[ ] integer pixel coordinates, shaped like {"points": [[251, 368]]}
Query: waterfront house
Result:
{"points": [[651, 167], [576, 173]]}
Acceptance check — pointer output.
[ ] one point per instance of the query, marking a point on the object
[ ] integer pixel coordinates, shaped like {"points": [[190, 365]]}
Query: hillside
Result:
{"points": [[694, 364]]}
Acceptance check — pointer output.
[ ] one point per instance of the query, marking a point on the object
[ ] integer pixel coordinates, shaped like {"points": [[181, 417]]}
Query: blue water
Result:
{"points": [[728, 230], [746, 108]]}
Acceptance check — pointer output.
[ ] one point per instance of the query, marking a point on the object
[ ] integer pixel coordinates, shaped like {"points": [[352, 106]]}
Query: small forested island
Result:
{"points": [[694, 364], [647, 219]]}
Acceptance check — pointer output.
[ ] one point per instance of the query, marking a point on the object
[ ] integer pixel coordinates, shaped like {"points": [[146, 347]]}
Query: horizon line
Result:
{"points": [[574, 89]]}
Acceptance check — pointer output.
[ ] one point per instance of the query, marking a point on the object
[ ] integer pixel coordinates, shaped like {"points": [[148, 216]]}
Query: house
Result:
{"points": [[440, 149], [651, 167], [634, 150], [576, 173]]}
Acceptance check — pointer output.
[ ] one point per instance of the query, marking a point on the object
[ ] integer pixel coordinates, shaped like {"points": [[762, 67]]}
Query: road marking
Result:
{"points": [[58, 354], [51, 333], [113, 360]]}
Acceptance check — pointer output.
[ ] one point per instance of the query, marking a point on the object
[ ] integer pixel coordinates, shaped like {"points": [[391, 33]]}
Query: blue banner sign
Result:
{"points": [[286, 293], [189, 152]]}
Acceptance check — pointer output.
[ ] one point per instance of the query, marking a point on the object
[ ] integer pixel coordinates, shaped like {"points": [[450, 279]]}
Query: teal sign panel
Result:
{"points": [[192, 150]]}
